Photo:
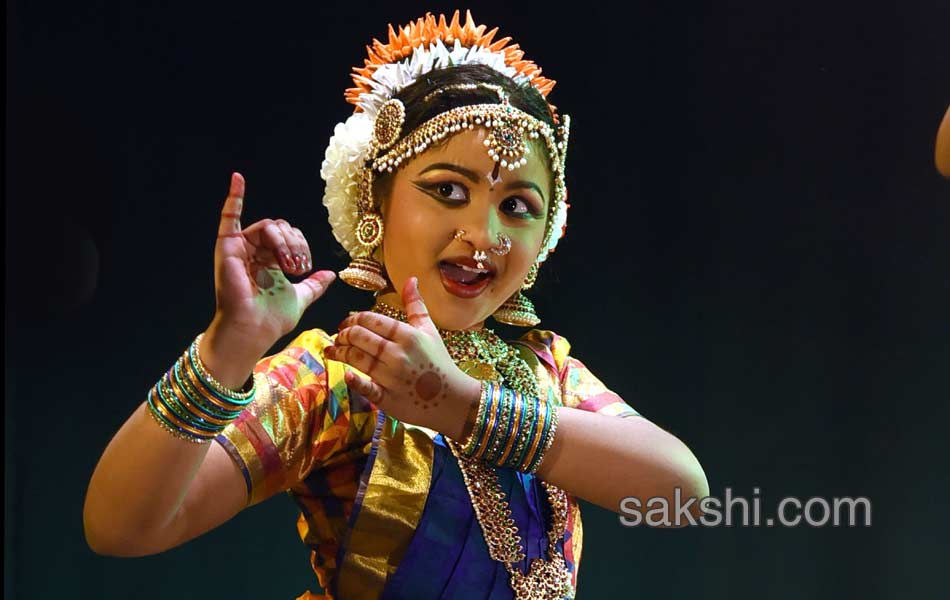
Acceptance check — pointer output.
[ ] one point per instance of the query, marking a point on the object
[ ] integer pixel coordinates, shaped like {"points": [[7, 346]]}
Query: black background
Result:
{"points": [[757, 259]]}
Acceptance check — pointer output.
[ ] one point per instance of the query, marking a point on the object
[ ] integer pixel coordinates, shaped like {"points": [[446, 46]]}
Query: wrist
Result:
{"points": [[229, 354], [512, 430], [462, 418], [190, 403]]}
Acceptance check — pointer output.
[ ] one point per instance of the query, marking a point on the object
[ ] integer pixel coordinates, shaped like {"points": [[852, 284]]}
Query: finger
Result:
{"points": [[230, 223], [368, 388], [378, 347], [293, 243], [416, 309], [356, 358], [313, 287], [271, 238], [387, 327], [308, 258]]}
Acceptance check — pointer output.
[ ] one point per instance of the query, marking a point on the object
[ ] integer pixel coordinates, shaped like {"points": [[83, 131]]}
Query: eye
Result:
{"points": [[515, 205], [451, 191]]}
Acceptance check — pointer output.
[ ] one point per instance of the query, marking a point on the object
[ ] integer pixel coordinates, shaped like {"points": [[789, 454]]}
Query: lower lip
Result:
{"points": [[461, 290]]}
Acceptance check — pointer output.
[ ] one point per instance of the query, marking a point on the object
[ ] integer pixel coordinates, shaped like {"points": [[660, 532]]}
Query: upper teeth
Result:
{"points": [[472, 269]]}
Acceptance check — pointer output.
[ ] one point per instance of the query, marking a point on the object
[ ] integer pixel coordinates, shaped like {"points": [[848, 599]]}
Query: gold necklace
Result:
{"points": [[484, 353]]}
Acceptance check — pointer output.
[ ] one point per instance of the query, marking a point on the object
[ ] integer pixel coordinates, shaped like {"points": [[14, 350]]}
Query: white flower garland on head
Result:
{"points": [[351, 144], [343, 164], [388, 80]]}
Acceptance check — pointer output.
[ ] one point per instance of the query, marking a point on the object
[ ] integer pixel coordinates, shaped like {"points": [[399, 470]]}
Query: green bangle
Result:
{"points": [[525, 433], [501, 426], [549, 416]]}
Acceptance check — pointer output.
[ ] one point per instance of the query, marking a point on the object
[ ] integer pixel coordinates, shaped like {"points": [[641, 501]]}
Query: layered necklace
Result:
{"points": [[482, 354]]}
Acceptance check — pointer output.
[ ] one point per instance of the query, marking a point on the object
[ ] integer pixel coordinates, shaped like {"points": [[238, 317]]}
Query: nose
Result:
{"points": [[482, 224]]}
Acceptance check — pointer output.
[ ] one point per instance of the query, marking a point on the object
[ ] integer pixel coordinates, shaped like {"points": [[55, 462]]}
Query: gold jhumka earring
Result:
{"points": [[518, 310], [364, 271]]}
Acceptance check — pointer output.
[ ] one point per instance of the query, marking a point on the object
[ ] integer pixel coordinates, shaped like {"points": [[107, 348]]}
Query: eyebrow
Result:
{"points": [[466, 173], [525, 184], [475, 178]]}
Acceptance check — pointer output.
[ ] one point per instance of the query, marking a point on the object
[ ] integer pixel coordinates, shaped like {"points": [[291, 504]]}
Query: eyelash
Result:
{"points": [[433, 190]]}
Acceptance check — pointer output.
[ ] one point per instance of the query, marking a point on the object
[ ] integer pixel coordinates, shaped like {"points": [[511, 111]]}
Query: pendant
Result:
{"points": [[479, 370]]}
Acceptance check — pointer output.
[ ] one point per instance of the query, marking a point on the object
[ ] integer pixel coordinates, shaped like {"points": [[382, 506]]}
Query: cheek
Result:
{"points": [[528, 240], [524, 250], [411, 237]]}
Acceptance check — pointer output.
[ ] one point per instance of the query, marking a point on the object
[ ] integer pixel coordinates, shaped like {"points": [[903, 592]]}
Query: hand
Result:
{"points": [[253, 295], [412, 375]]}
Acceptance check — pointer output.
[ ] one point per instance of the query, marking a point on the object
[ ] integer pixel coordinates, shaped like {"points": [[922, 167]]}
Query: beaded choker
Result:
{"points": [[482, 354]]}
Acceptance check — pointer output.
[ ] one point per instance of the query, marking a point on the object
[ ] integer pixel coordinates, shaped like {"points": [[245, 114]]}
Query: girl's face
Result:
{"points": [[451, 187]]}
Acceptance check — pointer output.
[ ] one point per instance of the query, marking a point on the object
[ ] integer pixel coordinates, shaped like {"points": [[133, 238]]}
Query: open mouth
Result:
{"points": [[464, 280]]}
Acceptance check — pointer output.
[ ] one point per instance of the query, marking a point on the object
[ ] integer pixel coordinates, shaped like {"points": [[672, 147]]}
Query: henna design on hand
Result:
{"points": [[392, 329], [263, 279], [430, 386]]}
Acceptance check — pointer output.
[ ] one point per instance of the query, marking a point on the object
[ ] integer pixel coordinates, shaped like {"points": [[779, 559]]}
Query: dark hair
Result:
{"points": [[525, 97], [419, 110]]}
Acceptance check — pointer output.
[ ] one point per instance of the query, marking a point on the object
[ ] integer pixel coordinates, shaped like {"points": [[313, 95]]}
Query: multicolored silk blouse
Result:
{"points": [[383, 507]]}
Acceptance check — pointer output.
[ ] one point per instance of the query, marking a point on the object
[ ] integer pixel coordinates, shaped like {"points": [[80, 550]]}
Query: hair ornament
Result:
{"points": [[389, 122], [429, 44], [372, 139]]}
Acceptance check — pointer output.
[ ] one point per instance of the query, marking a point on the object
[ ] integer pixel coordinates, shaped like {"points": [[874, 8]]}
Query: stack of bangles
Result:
{"points": [[511, 430], [189, 403]]}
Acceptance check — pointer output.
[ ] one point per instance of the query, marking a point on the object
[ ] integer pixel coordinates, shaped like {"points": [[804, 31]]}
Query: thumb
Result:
{"points": [[313, 287], [416, 309]]}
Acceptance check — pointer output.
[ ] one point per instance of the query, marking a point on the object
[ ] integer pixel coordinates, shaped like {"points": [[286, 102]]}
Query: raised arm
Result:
{"points": [[152, 491]]}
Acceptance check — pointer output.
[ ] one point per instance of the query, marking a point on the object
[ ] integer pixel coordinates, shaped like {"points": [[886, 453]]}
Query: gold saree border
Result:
{"points": [[395, 495], [391, 507]]}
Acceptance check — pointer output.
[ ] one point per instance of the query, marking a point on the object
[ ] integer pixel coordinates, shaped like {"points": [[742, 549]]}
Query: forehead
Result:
{"points": [[467, 149]]}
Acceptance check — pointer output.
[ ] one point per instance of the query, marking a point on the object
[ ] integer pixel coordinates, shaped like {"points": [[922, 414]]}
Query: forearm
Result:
{"points": [[144, 474], [603, 459], [138, 484]]}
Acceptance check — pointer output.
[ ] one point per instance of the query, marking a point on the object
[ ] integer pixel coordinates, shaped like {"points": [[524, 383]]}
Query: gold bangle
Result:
{"points": [[492, 421], [214, 383], [176, 433], [169, 419], [516, 415], [468, 447], [194, 380], [186, 402], [550, 438], [524, 432], [538, 430]]}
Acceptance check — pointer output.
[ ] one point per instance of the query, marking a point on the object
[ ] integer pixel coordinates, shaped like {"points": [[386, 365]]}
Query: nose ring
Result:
{"points": [[480, 257], [459, 234], [503, 247]]}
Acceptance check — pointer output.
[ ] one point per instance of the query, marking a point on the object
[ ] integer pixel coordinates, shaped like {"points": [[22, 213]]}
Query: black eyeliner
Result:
{"points": [[429, 189]]}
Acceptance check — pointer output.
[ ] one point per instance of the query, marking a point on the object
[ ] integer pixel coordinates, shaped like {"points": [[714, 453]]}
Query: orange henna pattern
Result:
{"points": [[430, 385]]}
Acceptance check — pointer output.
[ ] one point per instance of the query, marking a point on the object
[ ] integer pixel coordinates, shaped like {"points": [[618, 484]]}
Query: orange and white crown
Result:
{"points": [[431, 43]]}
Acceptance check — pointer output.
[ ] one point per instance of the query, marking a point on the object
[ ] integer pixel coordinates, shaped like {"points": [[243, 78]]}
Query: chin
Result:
{"points": [[453, 313], [456, 318]]}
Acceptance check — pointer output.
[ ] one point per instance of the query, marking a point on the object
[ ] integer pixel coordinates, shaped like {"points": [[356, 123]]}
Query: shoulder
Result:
{"points": [[551, 348], [300, 362]]}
